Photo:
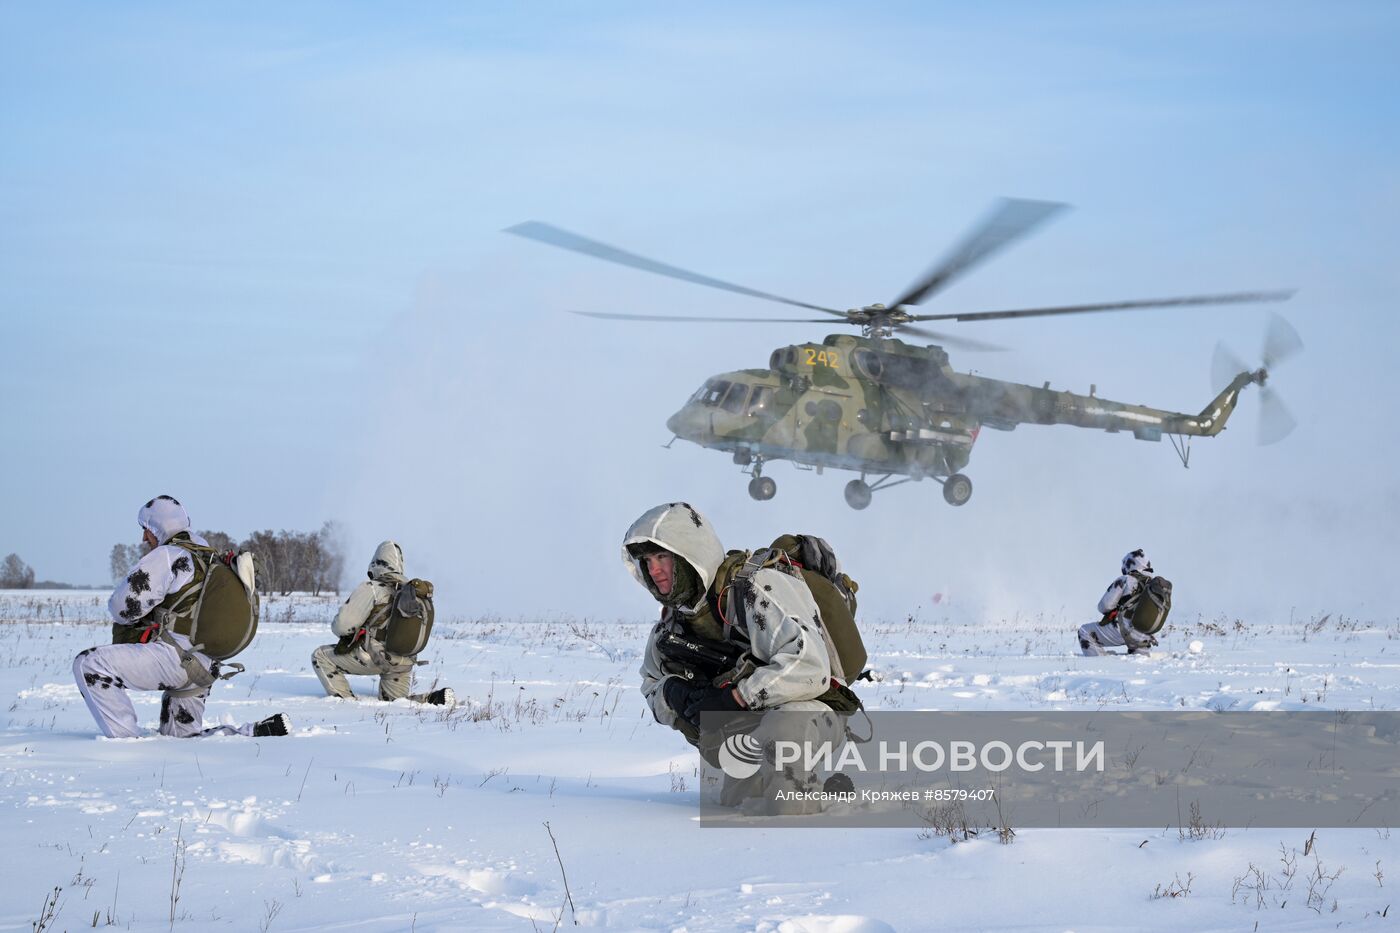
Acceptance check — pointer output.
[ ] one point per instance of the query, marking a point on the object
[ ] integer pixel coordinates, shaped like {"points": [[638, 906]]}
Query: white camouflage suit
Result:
{"points": [[104, 674], [793, 654], [368, 657], [1094, 637]]}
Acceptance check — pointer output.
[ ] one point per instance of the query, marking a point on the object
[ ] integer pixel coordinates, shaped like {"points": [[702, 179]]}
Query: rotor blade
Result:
{"points": [[1009, 220], [1228, 299], [950, 340], [1275, 420], [1224, 366], [554, 236], [705, 320], [1280, 341]]}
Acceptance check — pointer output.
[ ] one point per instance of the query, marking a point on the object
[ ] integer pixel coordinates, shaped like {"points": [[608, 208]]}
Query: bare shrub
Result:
{"points": [[1253, 884], [1174, 888], [948, 820], [1320, 881], [1197, 828], [177, 871], [49, 911]]}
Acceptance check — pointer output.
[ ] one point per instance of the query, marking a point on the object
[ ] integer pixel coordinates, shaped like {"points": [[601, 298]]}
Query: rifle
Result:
{"points": [[698, 658]]}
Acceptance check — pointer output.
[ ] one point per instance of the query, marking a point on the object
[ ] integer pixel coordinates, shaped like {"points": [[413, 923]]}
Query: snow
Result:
{"points": [[379, 817]]}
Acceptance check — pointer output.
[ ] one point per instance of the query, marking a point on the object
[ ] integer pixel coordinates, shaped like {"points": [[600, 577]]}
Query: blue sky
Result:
{"points": [[250, 256]]}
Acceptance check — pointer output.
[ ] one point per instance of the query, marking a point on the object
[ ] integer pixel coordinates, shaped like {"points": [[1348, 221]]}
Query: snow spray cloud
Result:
{"points": [[1200, 771]]}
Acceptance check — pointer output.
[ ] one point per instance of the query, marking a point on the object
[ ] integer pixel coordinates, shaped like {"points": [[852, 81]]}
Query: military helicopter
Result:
{"points": [[895, 412]]}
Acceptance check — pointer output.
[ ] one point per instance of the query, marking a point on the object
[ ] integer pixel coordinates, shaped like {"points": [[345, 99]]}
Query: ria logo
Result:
{"points": [[740, 756]]}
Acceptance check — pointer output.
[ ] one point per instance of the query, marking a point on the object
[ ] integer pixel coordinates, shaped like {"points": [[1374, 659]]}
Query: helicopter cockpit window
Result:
{"points": [[713, 391], [736, 396], [762, 399]]}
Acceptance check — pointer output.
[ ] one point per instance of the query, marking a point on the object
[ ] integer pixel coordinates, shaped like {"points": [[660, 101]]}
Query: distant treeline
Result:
{"points": [[287, 561], [15, 574]]}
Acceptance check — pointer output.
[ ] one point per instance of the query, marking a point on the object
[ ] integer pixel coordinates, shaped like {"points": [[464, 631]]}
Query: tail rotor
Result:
{"points": [[1281, 342]]}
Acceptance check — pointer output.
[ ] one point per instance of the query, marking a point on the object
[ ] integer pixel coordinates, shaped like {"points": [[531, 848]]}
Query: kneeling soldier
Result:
{"points": [[156, 608], [382, 627]]}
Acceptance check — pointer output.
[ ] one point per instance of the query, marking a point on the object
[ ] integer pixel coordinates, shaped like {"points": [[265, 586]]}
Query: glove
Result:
{"points": [[711, 700], [676, 692]]}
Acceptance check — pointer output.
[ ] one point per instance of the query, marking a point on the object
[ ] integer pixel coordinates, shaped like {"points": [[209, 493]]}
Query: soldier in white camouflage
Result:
{"points": [[360, 650], [1113, 630], [142, 657], [781, 658]]}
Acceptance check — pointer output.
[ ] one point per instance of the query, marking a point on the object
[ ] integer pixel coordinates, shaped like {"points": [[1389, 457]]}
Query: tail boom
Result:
{"points": [[1004, 405]]}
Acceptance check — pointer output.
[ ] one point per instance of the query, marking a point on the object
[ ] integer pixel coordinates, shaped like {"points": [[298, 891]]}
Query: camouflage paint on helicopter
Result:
{"points": [[885, 407]]}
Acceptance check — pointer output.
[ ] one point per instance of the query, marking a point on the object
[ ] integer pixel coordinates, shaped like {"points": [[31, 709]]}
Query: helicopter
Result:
{"points": [[896, 412]]}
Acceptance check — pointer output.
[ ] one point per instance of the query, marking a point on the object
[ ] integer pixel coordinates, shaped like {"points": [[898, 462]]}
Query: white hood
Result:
{"points": [[163, 517], [387, 563], [678, 528], [1136, 562]]}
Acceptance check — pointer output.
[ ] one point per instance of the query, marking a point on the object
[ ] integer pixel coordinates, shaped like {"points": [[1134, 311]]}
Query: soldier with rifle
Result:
{"points": [[738, 631]]}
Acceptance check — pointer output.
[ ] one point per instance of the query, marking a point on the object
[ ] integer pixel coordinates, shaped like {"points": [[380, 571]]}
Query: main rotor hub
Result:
{"points": [[877, 320]]}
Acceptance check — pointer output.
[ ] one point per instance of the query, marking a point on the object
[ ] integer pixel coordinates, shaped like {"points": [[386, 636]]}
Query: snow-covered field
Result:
{"points": [[376, 817]]}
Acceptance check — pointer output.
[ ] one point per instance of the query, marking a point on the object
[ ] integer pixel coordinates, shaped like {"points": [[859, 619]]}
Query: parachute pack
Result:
{"points": [[217, 611], [1152, 603], [224, 617], [833, 591], [401, 627], [410, 619], [835, 595]]}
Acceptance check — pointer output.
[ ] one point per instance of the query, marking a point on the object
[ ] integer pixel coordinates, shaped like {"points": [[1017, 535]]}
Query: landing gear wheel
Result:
{"points": [[763, 488], [858, 493], [957, 489]]}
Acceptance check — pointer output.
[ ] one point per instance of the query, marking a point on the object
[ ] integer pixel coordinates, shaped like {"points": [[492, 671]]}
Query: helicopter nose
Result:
{"points": [[686, 423]]}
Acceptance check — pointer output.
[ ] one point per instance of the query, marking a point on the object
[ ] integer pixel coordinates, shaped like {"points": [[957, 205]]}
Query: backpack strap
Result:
{"points": [[201, 678], [1129, 603], [838, 697], [188, 601], [737, 595], [1123, 615], [188, 604], [379, 615]]}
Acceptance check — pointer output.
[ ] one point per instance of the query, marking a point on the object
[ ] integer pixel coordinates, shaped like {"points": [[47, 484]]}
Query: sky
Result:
{"points": [[251, 257]]}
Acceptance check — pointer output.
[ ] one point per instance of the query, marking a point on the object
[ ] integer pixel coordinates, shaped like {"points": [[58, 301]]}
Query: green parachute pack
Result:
{"points": [[217, 609], [409, 621], [224, 616], [833, 591], [1151, 604]]}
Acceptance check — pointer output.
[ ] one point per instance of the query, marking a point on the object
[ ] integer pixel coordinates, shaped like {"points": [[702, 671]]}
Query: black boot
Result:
{"points": [[273, 725], [443, 696]]}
